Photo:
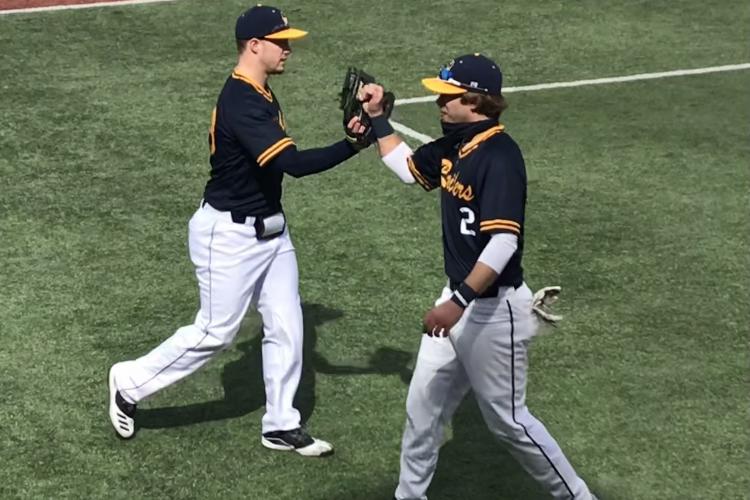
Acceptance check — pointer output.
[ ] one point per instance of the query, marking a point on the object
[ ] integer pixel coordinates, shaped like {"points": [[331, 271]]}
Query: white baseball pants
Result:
{"points": [[486, 352], [234, 270]]}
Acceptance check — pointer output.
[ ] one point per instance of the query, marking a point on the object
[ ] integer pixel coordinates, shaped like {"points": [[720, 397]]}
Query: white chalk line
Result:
{"points": [[31, 10], [577, 83], [414, 100]]}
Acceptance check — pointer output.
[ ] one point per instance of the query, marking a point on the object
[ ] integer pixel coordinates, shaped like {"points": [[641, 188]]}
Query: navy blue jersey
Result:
{"points": [[483, 191], [247, 132]]}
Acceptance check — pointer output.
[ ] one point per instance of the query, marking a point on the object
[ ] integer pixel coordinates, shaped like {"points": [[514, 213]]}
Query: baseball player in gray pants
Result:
{"points": [[478, 333]]}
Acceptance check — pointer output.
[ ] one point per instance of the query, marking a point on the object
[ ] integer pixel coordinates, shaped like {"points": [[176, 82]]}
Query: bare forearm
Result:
{"points": [[488, 267], [480, 277], [492, 261], [388, 143], [393, 150]]}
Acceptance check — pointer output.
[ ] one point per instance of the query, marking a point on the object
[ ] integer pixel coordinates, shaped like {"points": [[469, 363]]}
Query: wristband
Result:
{"points": [[463, 295], [381, 126]]}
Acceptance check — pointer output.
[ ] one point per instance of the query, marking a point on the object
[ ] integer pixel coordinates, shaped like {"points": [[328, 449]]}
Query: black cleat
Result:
{"points": [[297, 440], [121, 413]]}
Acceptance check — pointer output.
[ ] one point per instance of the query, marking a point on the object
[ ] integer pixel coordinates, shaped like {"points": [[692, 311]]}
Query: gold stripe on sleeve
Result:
{"points": [[503, 227], [499, 221], [417, 175], [274, 150]]}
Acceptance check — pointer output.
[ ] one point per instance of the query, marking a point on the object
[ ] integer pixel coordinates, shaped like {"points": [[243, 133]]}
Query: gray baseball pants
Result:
{"points": [[486, 352]]}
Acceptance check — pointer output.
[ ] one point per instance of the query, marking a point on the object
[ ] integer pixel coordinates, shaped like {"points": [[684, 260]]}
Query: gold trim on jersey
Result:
{"points": [[502, 224], [417, 175], [474, 143], [258, 88], [500, 221], [274, 150], [456, 188], [445, 166]]}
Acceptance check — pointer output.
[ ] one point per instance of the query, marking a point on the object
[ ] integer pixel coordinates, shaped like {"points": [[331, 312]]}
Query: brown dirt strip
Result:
{"points": [[30, 4]]}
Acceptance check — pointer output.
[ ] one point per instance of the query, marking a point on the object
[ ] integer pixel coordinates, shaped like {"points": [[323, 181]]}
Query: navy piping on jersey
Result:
{"points": [[205, 329], [513, 399]]}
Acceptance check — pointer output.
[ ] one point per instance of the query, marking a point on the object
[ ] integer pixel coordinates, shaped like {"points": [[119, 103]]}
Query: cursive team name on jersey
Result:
{"points": [[450, 183]]}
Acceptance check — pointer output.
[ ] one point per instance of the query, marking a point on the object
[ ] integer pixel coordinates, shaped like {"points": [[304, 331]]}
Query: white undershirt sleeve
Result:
{"points": [[396, 161], [499, 250]]}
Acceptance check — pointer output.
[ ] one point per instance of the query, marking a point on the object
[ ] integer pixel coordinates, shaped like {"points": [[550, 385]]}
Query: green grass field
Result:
{"points": [[638, 205]]}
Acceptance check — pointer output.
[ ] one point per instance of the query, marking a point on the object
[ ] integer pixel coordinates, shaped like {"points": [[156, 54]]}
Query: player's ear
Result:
{"points": [[254, 45], [472, 101]]}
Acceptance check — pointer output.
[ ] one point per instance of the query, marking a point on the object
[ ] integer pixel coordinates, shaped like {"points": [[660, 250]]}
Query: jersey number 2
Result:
{"points": [[467, 217]]}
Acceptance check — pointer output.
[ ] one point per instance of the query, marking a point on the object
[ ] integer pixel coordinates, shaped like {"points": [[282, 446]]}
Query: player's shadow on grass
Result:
{"points": [[244, 391], [474, 462], [472, 465]]}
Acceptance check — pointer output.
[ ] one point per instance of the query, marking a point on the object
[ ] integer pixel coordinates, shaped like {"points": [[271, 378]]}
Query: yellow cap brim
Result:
{"points": [[287, 34], [441, 86]]}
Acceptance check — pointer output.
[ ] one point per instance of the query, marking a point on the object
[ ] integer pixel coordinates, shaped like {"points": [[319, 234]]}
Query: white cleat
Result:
{"points": [[297, 440], [121, 413]]}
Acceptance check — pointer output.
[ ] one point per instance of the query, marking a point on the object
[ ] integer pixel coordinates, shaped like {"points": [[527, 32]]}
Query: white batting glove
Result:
{"points": [[542, 300]]}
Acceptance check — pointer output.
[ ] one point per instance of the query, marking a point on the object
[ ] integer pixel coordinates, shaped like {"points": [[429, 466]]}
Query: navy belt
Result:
{"points": [[237, 217], [266, 227]]}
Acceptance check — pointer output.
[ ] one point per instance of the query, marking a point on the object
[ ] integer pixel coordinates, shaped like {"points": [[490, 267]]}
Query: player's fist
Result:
{"points": [[440, 319], [371, 96], [355, 127]]}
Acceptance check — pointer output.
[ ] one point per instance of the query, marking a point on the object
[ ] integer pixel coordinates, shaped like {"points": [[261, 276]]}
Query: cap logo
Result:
{"points": [[446, 72]]}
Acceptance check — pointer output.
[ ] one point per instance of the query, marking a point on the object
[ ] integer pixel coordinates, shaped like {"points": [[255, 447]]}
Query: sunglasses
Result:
{"points": [[446, 75], [282, 43]]}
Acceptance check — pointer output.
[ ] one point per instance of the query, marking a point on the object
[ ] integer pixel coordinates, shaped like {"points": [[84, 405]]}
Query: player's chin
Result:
{"points": [[279, 69]]}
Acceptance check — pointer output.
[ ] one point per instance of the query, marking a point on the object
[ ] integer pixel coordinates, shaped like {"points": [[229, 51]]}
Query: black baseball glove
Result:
{"points": [[351, 106]]}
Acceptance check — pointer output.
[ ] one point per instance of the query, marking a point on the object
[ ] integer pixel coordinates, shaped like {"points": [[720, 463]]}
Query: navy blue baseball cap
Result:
{"points": [[266, 22], [469, 73]]}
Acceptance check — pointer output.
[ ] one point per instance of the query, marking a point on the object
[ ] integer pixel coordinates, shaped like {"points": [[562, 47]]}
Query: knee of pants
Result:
{"points": [[422, 413], [283, 319], [219, 337], [511, 432], [509, 426], [289, 313]]}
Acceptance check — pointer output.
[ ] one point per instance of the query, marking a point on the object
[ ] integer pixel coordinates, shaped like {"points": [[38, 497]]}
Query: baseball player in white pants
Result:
{"points": [[235, 270], [240, 245]]}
